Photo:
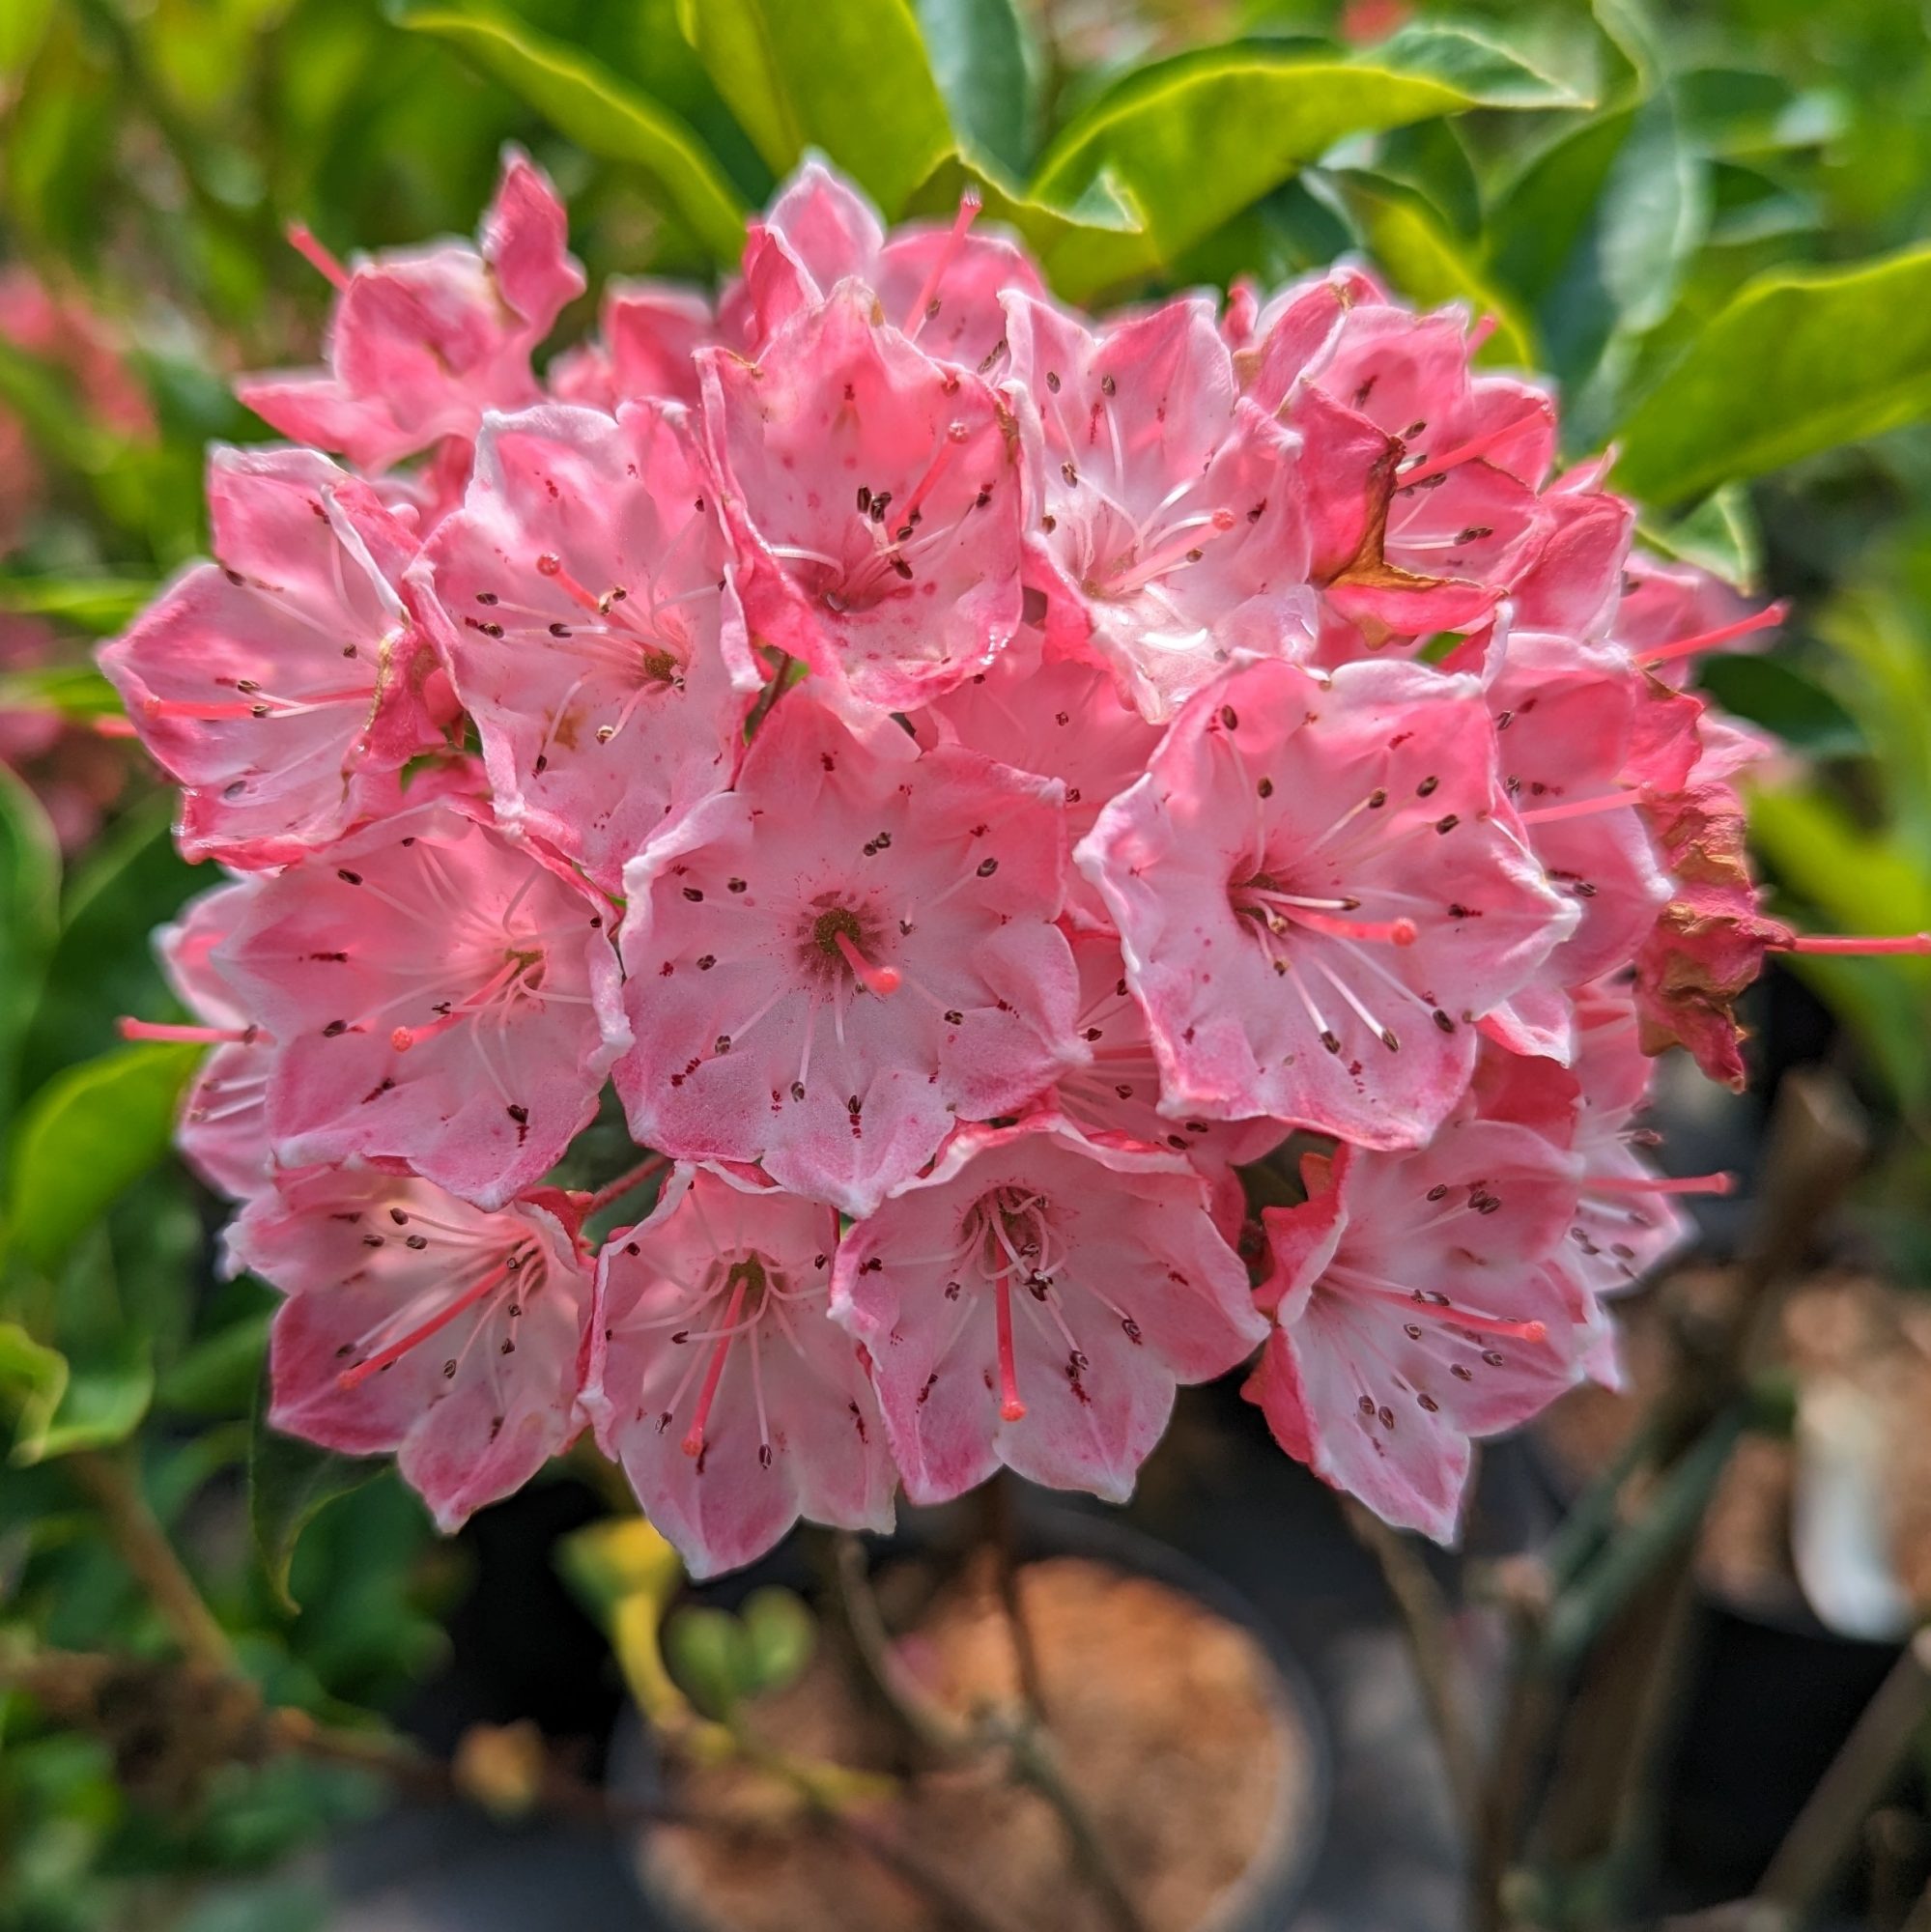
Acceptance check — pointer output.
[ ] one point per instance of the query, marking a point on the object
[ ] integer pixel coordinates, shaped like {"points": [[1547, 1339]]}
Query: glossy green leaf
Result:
{"points": [[848, 77], [1800, 361], [602, 113], [291, 1481], [987, 67], [85, 1135], [29, 915], [1542, 215], [1187, 143], [1431, 266]]}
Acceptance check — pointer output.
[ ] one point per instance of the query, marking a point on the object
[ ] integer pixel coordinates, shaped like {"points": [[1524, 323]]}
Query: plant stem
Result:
{"points": [[1002, 1538], [1426, 1623], [1029, 1752], [143, 1547], [1827, 1827]]}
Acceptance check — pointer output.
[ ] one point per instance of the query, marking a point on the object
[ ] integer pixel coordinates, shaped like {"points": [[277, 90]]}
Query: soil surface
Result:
{"points": [[1169, 1720], [1836, 1328]]}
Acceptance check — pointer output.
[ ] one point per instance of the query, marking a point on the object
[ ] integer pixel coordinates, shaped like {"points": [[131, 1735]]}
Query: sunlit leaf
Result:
{"points": [[848, 77], [601, 113], [1800, 361], [988, 68]]}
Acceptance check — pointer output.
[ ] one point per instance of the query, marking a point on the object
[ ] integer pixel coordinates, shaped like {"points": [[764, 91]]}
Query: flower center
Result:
{"points": [[838, 939]]}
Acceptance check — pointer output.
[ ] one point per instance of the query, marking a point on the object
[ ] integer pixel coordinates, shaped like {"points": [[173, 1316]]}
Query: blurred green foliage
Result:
{"points": [[1711, 229]]}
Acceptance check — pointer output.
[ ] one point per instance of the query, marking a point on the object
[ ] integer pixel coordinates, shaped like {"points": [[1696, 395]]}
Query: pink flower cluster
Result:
{"points": [[973, 776]]}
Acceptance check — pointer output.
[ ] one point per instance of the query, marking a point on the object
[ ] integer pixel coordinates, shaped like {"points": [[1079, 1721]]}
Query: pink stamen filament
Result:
{"points": [[403, 1037], [1637, 1183], [254, 706], [1856, 946], [1195, 534], [1010, 1408], [880, 980], [1465, 453], [693, 1437], [192, 1035], [115, 726], [317, 258], [1315, 914], [949, 448], [969, 205], [615, 1190], [353, 1378], [1765, 619], [1439, 1311], [552, 566], [1577, 808]]}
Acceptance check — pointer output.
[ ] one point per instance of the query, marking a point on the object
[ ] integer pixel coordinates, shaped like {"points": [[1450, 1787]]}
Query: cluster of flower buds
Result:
{"points": [[975, 777]]}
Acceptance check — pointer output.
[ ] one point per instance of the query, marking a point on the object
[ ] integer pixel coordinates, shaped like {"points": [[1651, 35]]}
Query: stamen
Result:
{"points": [[353, 1378], [1190, 535], [955, 434], [1635, 1184], [693, 1437], [191, 1035], [1856, 945], [1464, 453], [1577, 808], [317, 258], [552, 566], [969, 205], [1765, 619], [880, 980], [114, 725], [1010, 1408]]}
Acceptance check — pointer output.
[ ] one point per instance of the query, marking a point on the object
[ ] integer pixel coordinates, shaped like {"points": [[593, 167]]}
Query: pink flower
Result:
{"points": [[286, 686], [651, 332], [1566, 723], [1061, 720], [1033, 1300], [1319, 887], [417, 1324], [1412, 1313], [831, 963], [1118, 1091], [1670, 614], [423, 341], [438, 996], [580, 594], [716, 1377], [872, 496], [223, 1133], [1169, 533], [939, 285]]}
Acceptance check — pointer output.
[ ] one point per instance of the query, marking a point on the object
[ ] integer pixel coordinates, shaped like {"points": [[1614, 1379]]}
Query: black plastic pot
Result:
{"points": [[1265, 1897]]}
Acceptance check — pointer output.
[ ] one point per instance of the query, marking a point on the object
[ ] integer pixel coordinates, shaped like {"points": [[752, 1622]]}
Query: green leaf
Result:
{"points": [[780, 1636], [87, 1134], [1431, 266], [1487, 73], [101, 1402], [987, 67], [76, 690], [103, 963], [1538, 218], [1719, 536], [100, 605], [216, 1375], [603, 114], [1775, 694], [1799, 362], [33, 1377], [290, 1482], [709, 1655], [849, 77], [1189, 142], [29, 911]]}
